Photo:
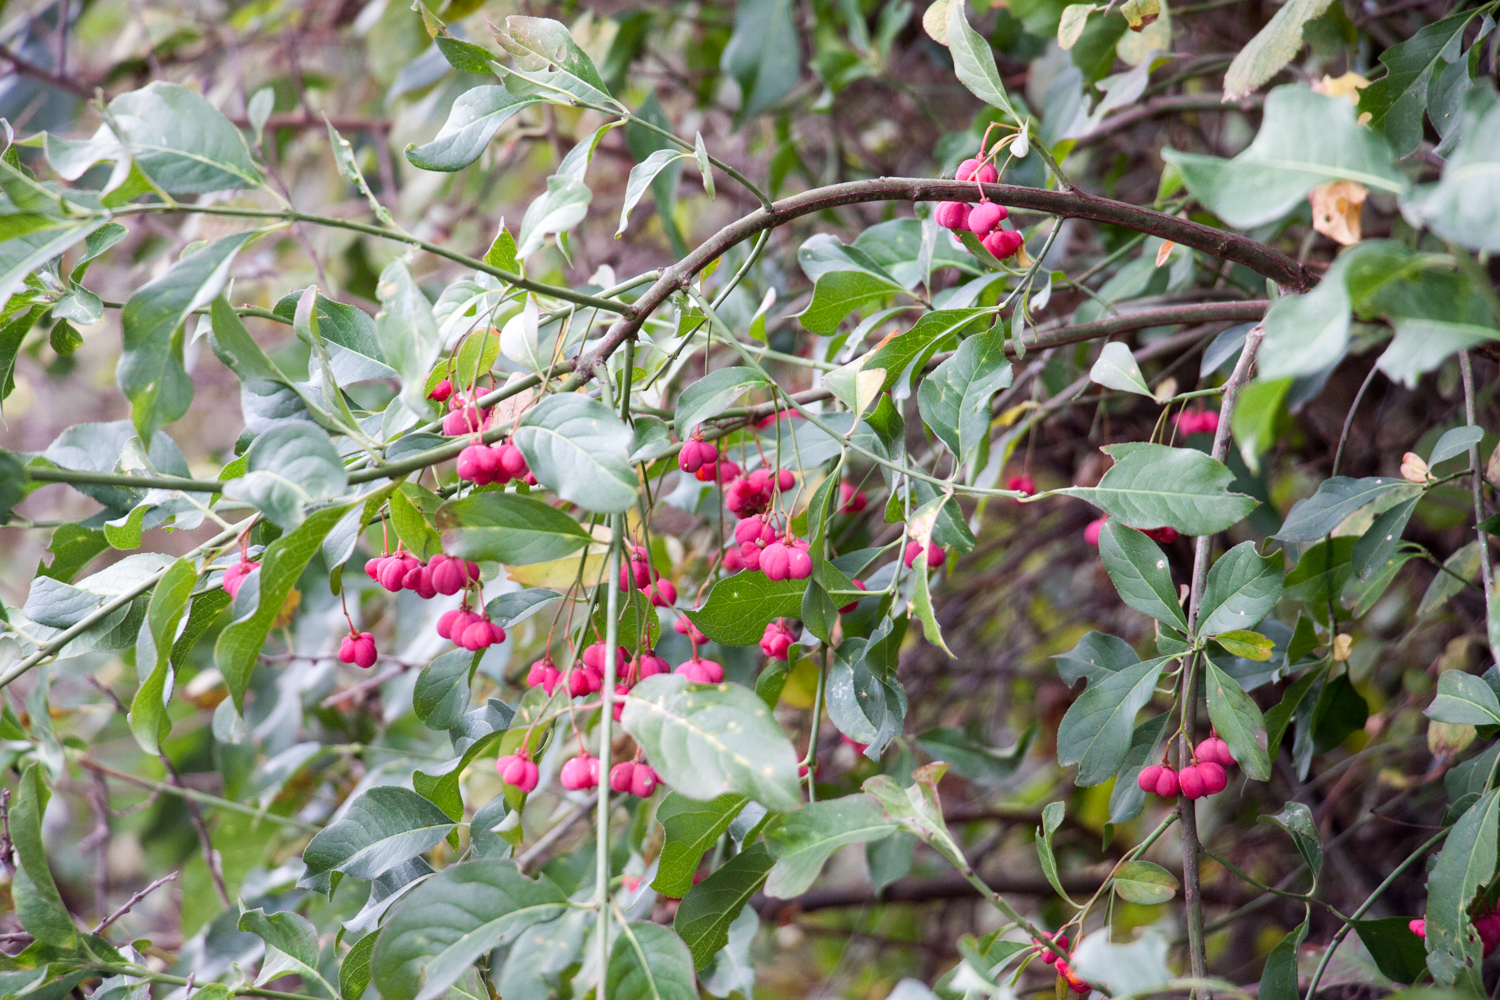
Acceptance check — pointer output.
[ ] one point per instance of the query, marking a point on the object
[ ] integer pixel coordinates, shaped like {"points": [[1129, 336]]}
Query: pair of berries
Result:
{"points": [[1206, 422], [700, 671], [469, 629], [786, 559], [935, 554], [1063, 968], [439, 575], [1024, 485], [1166, 534], [1205, 777], [983, 220], [635, 777], [662, 593], [358, 647], [851, 500], [695, 454], [580, 772], [484, 464], [752, 494], [777, 640], [234, 576], [687, 628], [463, 417], [518, 771]]}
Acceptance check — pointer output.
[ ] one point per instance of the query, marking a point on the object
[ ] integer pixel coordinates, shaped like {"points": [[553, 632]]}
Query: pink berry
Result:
{"points": [[689, 460], [953, 215], [687, 628], [985, 217], [1190, 781], [513, 462], [441, 391], [1418, 927], [392, 571], [776, 640], [1091, 531], [1208, 423], [372, 566], [346, 649], [1214, 778], [1216, 751], [620, 776], [1023, 485], [476, 636], [497, 634], [475, 463], [648, 664], [775, 562], [1003, 243], [750, 557], [449, 576], [1166, 783], [732, 562], [748, 531], [364, 650], [785, 480], [519, 773], [662, 593], [973, 170], [577, 774], [799, 564], [851, 501], [643, 781], [854, 603], [1148, 778], [423, 583], [234, 577], [537, 675]]}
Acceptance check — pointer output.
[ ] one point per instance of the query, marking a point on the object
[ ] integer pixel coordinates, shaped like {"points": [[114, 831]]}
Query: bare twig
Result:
{"points": [[555, 834], [99, 928]]}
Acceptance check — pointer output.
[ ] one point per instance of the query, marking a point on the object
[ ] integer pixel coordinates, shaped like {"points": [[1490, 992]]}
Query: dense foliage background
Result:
{"points": [[1254, 316]]}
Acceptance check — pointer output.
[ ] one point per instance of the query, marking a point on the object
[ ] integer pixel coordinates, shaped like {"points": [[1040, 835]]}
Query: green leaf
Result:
{"points": [[441, 694], [407, 333], [354, 970], [532, 972], [649, 962], [1096, 731], [291, 943], [921, 604], [39, 905], [802, 841], [508, 528], [1422, 345], [1052, 817], [1238, 721], [764, 55], [1336, 500], [148, 711], [1278, 980], [548, 63], [1139, 570], [711, 394], [125, 532], [640, 180], [414, 530], [1398, 953], [705, 741], [1464, 205], [1380, 541], [955, 398], [867, 705], [562, 206], [1308, 333], [912, 348], [1127, 799], [1280, 716], [1117, 369], [580, 450], [1271, 49], [239, 645], [1455, 442], [1242, 588], [1145, 883], [150, 371], [502, 252], [1247, 644], [1322, 571], [1461, 566], [1151, 486], [1464, 698], [1297, 821], [443, 925], [837, 294], [1306, 139], [704, 916], [974, 61], [740, 606], [473, 120], [1096, 656], [691, 827], [473, 736], [1466, 862], [291, 466], [385, 827], [181, 142], [1395, 101]]}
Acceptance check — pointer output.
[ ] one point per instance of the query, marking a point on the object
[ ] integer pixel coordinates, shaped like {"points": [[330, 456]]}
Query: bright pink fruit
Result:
{"points": [[974, 170], [1190, 781], [854, 603], [449, 576], [1003, 243], [1418, 927], [662, 593], [234, 577], [775, 562], [1214, 778], [441, 391], [777, 639], [851, 501], [580, 772], [1148, 778], [346, 649], [643, 781], [935, 554], [1166, 783], [1166, 534], [364, 650], [953, 215], [1091, 532], [620, 776], [1023, 485], [985, 217], [798, 563]]}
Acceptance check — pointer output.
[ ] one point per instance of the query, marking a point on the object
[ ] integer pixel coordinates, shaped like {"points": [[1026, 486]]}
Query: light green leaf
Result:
{"points": [[1075, 17], [354, 971], [181, 142], [711, 394], [38, 904], [740, 606], [1152, 485], [1464, 698], [1238, 722], [1467, 861], [1145, 883], [974, 61], [508, 528], [579, 449], [802, 841], [385, 827], [649, 962], [1053, 814], [407, 333], [548, 63], [1336, 500], [149, 721], [764, 55], [1272, 48], [1297, 820], [1095, 732], [291, 466], [1422, 345], [705, 741], [1117, 369], [562, 206], [691, 827], [473, 120], [639, 181], [441, 694], [1464, 205], [291, 944], [836, 294]]}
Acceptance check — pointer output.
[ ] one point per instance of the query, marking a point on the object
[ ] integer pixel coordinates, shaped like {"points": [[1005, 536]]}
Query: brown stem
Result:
{"points": [[99, 928], [1485, 574]]}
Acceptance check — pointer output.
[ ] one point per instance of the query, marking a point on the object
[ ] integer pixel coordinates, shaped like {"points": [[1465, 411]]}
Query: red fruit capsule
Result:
{"points": [[1003, 243], [1214, 778], [798, 564], [364, 650], [974, 170], [620, 776], [449, 576], [441, 391], [854, 603], [346, 649], [1023, 485], [953, 215], [1166, 783], [1149, 777], [985, 217], [1091, 532], [643, 781], [577, 774], [1190, 781], [775, 562]]}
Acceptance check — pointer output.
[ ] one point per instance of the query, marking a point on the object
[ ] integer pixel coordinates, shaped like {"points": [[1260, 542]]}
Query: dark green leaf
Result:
{"points": [[1467, 861], [1297, 820], [1464, 698], [1335, 501], [508, 528], [384, 827], [1152, 485], [1139, 570], [740, 606], [704, 916], [579, 449], [650, 962], [711, 394], [691, 827], [764, 55], [1398, 953], [955, 398], [1096, 656], [38, 904], [441, 695], [802, 841], [1395, 101], [1096, 731]]}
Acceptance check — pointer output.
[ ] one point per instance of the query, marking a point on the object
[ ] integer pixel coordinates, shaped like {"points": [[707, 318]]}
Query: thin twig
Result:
{"points": [[552, 836], [99, 928]]}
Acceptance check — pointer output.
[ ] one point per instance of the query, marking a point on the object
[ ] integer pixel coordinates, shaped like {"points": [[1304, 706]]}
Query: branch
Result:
{"points": [[25, 67], [1205, 103], [99, 928], [195, 795], [302, 121]]}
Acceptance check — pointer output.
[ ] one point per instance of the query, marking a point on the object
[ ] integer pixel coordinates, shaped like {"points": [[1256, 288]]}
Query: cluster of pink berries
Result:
{"points": [[1204, 777], [660, 591], [935, 554], [1166, 534], [762, 547], [700, 671], [471, 630], [358, 647], [702, 460], [1063, 969], [464, 416], [483, 464], [439, 575], [518, 770], [636, 777], [1487, 925], [777, 639], [752, 494], [1206, 422], [983, 220], [580, 772], [234, 576]]}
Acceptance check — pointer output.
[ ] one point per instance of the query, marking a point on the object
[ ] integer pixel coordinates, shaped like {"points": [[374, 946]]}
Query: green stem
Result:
{"points": [[140, 972], [606, 720], [191, 793]]}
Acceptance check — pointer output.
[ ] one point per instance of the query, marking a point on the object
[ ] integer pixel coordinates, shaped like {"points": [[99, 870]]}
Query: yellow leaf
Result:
{"points": [[1013, 413], [1347, 86], [1335, 210], [935, 21], [1140, 13], [1343, 645], [1163, 252]]}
